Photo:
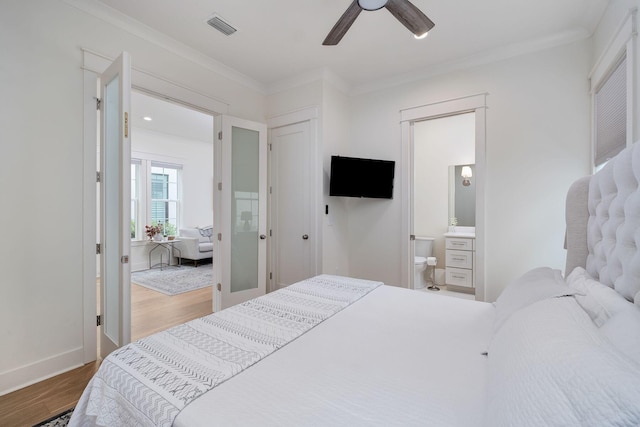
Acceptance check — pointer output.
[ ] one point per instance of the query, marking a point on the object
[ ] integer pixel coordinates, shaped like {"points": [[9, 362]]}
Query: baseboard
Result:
{"points": [[41, 370]]}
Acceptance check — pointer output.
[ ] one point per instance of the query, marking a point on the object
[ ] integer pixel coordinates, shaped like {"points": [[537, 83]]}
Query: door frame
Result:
{"points": [[408, 117], [93, 64], [308, 114]]}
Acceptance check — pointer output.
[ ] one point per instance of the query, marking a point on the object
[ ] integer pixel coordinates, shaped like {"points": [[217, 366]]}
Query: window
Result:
{"points": [[610, 114], [155, 196], [612, 89], [164, 198]]}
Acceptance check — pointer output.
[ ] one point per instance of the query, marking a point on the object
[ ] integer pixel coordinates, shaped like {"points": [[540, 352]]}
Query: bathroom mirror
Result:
{"points": [[462, 195]]}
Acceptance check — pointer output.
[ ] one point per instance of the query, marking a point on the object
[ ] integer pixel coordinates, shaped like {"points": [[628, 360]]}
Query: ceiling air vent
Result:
{"points": [[221, 25]]}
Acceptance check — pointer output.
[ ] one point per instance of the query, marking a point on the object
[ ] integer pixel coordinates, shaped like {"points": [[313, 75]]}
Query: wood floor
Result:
{"points": [[151, 312]]}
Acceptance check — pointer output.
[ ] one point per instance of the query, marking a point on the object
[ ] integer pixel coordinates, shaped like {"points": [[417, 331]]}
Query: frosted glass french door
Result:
{"points": [[242, 223], [115, 239]]}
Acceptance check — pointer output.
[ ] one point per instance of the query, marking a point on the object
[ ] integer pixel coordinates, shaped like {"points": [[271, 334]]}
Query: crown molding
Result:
{"points": [[312, 76], [486, 57], [138, 29]]}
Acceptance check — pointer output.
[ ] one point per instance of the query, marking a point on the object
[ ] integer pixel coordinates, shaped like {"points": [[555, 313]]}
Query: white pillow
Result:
{"points": [[623, 330], [535, 285], [551, 366], [599, 301]]}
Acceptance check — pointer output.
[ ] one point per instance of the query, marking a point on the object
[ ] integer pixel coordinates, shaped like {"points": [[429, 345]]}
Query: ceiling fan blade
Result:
{"points": [[410, 16], [344, 23]]}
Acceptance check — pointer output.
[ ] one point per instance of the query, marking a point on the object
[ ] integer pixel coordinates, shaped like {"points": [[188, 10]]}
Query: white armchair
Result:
{"points": [[195, 243]]}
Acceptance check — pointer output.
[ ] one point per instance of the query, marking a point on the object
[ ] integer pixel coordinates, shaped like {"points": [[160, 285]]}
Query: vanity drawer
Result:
{"points": [[459, 277], [459, 259], [459, 244]]}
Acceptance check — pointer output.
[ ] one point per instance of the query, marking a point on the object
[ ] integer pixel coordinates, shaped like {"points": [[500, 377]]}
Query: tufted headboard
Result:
{"points": [[603, 224]]}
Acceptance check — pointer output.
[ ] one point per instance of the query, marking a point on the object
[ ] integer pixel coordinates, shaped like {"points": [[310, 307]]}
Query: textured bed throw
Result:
{"points": [[149, 381]]}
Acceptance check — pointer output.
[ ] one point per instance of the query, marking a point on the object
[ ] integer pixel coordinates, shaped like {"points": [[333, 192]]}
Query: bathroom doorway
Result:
{"points": [[444, 117], [443, 200]]}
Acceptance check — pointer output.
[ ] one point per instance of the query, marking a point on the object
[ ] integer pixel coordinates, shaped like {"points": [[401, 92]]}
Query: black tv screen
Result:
{"points": [[357, 177]]}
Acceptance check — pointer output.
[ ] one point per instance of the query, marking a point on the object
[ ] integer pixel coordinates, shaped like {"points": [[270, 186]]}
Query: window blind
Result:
{"points": [[611, 114]]}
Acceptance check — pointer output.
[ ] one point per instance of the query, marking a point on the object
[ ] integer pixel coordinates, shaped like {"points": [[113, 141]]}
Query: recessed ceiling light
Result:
{"points": [[147, 118]]}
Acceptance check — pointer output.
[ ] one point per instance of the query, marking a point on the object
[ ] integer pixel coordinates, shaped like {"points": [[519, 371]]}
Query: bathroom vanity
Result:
{"points": [[460, 259]]}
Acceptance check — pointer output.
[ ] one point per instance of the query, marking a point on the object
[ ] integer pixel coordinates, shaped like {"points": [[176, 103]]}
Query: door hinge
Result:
{"points": [[220, 186], [98, 103], [98, 176], [270, 276], [270, 147], [98, 248], [99, 320], [220, 135], [124, 259], [270, 190], [270, 233], [220, 237], [219, 287]]}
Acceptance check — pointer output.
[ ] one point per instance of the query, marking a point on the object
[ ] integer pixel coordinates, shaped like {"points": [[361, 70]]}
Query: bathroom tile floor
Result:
{"points": [[443, 291]]}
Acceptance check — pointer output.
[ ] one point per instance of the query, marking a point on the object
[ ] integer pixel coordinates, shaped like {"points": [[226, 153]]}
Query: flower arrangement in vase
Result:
{"points": [[153, 231]]}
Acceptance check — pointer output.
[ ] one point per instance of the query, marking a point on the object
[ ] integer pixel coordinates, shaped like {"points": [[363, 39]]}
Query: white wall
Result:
{"points": [[41, 134], [335, 139], [438, 144], [196, 158], [537, 144]]}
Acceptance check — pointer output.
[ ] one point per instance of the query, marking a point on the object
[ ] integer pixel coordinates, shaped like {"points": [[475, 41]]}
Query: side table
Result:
{"points": [[168, 245]]}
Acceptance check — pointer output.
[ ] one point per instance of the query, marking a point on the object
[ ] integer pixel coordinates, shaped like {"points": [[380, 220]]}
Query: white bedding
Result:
{"points": [[148, 382], [395, 357]]}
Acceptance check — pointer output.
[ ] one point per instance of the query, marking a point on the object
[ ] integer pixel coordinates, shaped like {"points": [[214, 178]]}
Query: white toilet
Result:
{"points": [[423, 253]]}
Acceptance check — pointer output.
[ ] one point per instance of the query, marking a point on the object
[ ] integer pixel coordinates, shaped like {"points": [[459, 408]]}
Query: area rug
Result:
{"points": [[174, 280], [60, 420]]}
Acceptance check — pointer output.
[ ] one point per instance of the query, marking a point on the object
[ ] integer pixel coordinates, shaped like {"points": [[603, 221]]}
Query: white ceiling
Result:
{"points": [[279, 40], [170, 118]]}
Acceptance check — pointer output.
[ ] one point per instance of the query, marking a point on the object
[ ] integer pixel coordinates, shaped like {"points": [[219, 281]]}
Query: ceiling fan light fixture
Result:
{"points": [[421, 36], [372, 4], [403, 10]]}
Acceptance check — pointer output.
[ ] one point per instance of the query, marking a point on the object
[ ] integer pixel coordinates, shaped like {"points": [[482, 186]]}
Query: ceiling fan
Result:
{"points": [[404, 11]]}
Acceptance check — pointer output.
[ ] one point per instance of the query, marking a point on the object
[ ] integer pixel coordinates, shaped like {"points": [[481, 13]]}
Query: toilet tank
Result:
{"points": [[424, 246]]}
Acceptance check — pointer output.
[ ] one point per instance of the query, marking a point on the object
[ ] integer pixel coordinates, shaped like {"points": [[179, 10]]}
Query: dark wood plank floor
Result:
{"points": [[151, 312]]}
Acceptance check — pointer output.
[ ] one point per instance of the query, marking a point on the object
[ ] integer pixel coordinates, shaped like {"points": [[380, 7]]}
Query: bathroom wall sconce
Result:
{"points": [[466, 174]]}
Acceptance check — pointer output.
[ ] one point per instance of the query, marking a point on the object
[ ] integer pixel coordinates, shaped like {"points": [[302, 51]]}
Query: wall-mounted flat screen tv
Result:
{"points": [[357, 177]]}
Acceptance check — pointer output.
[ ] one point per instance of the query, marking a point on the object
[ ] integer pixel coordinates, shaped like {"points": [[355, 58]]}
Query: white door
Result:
{"points": [[241, 207], [115, 182], [291, 189]]}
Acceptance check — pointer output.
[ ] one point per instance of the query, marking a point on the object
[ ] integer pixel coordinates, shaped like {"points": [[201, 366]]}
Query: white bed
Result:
{"points": [[335, 351]]}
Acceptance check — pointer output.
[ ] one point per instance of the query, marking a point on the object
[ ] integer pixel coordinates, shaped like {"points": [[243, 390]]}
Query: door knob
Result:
{"points": [[305, 237], [262, 237]]}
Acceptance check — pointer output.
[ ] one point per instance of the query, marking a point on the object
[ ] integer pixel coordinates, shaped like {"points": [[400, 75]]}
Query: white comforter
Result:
{"points": [[394, 358]]}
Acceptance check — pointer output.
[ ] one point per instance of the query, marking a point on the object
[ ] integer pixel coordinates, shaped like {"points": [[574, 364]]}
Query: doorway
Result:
{"points": [[409, 118], [144, 81], [172, 188], [442, 146]]}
